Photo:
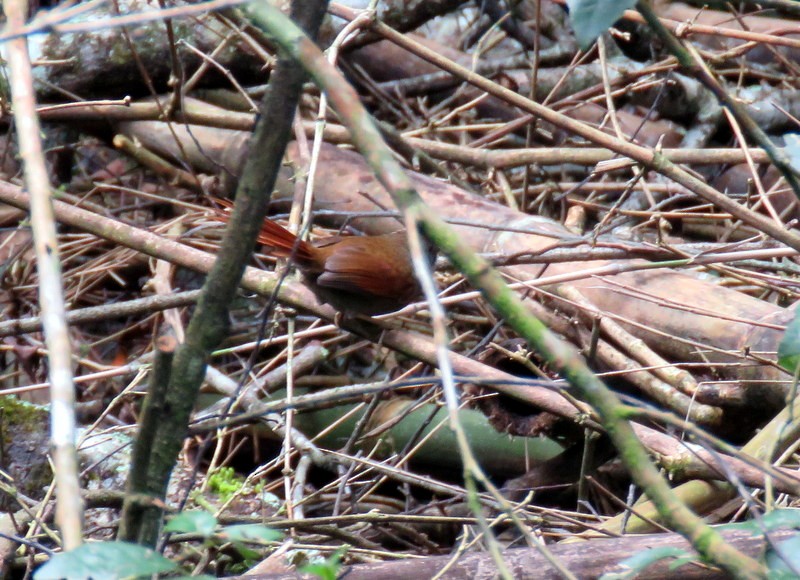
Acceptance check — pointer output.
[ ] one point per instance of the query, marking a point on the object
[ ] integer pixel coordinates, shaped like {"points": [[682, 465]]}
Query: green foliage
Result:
{"points": [[774, 520], [225, 483], [104, 561], [117, 560], [192, 522], [327, 569], [782, 560], [591, 18], [789, 348], [204, 523], [250, 533], [644, 559], [792, 149]]}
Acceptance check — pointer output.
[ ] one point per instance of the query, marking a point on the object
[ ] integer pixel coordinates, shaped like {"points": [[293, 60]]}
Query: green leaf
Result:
{"points": [[788, 518], [789, 348], [247, 554], [250, 533], [748, 526], [329, 569], [678, 562], [784, 562], [322, 571], [192, 522], [591, 18], [104, 561], [225, 483], [644, 559], [782, 519], [792, 149]]}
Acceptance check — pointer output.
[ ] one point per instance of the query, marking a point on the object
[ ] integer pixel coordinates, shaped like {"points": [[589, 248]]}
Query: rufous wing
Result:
{"points": [[358, 271]]}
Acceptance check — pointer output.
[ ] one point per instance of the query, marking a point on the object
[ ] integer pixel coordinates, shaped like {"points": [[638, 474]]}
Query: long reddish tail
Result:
{"points": [[284, 243]]}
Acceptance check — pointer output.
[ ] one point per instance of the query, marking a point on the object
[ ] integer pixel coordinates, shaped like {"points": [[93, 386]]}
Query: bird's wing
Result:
{"points": [[357, 271]]}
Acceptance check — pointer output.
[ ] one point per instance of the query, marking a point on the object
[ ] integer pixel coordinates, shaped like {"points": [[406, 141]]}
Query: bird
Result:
{"points": [[355, 274], [369, 275]]}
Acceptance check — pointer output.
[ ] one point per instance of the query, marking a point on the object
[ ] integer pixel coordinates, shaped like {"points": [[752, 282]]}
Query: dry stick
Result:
{"points": [[472, 471], [210, 321], [659, 389], [564, 356], [57, 20], [649, 158], [636, 347], [503, 158], [693, 64], [161, 284], [724, 253], [773, 438], [618, 268], [106, 312], [675, 460], [202, 114], [261, 282], [750, 470], [601, 558], [630, 369], [298, 296], [292, 294], [685, 29], [249, 399], [786, 6], [157, 164], [69, 508], [198, 113]]}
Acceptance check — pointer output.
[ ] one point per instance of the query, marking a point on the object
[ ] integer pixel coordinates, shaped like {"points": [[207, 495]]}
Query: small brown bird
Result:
{"points": [[355, 274]]}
